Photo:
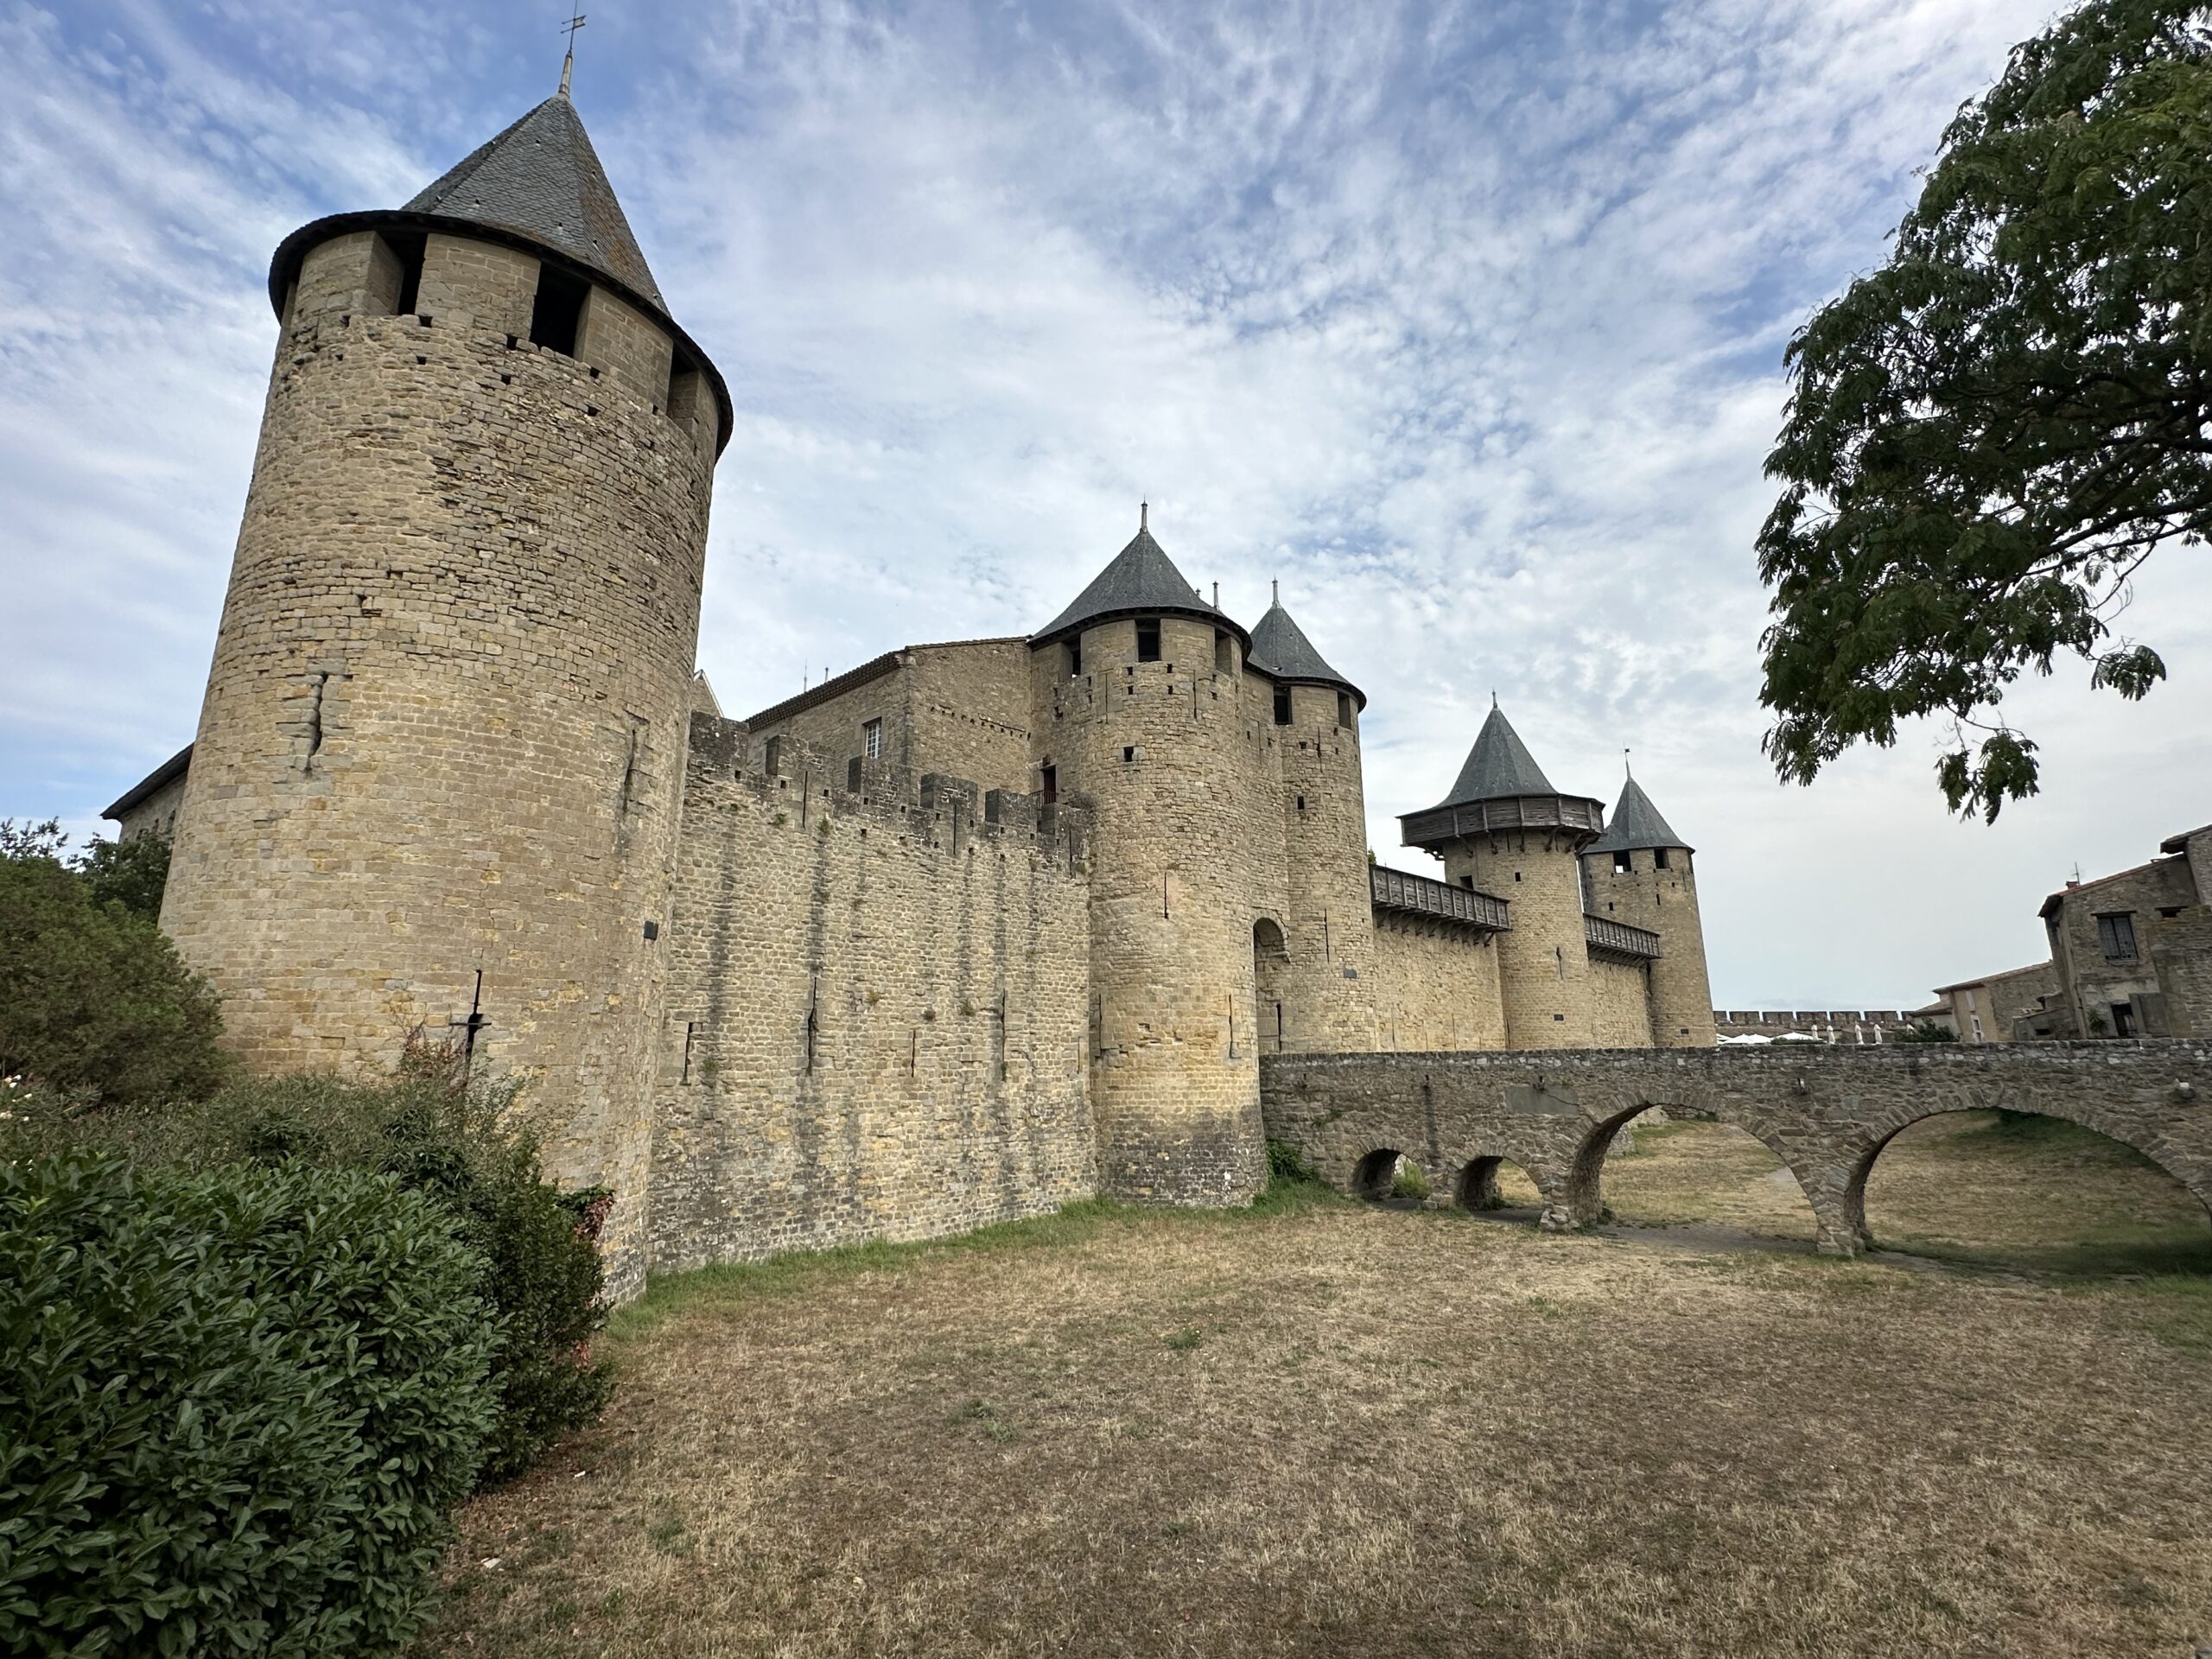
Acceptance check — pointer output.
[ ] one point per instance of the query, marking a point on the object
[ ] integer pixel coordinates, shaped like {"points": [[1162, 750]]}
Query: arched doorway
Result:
{"points": [[2023, 1190], [1270, 961]]}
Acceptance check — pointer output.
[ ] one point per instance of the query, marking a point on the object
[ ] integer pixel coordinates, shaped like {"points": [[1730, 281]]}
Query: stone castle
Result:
{"points": [[971, 931]]}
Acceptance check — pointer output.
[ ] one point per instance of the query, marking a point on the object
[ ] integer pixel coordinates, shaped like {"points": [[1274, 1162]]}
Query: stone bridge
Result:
{"points": [[1826, 1112]]}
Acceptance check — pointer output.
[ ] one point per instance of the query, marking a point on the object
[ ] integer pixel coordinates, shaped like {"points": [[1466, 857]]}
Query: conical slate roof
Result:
{"points": [[1636, 824], [1141, 579], [541, 177], [1281, 650], [1498, 767]]}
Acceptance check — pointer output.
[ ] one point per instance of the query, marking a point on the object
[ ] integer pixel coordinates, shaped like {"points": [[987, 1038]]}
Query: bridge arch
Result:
{"points": [[1477, 1191], [1585, 1199], [1856, 1235]]}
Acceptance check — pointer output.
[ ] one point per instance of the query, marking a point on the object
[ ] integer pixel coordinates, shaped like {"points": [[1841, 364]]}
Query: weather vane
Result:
{"points": [[567, 65]]}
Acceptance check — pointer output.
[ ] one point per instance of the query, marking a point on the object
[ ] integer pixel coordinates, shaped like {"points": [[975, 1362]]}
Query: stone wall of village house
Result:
{"points": [[877, 1012], [2094, 983], [1435, 987]]}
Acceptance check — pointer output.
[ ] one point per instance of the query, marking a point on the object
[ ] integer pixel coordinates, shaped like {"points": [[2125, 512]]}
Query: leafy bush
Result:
{"points": [[1411, 1181], [1287, 1165], [1927, 1031], [239, 1405], [94, 1005], [442, 1136]]}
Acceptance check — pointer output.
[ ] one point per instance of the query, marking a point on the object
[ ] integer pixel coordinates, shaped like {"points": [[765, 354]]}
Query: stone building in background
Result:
{"points": [[2131, 956], [975, 930]]}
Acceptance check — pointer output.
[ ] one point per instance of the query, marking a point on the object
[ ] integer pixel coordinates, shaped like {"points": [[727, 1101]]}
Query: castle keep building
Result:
{"points": [[971, 931]]}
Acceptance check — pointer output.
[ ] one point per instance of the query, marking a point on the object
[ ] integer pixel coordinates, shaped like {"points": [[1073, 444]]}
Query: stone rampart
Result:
{"points": [[877, 1008], [1826, 1112]]}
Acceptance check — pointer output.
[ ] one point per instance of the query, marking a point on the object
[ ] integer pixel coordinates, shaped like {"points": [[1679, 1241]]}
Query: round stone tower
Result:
{"points": [[1639, 872], [1503, 830], [1141, 705], [436, 784], [1315, 983]]}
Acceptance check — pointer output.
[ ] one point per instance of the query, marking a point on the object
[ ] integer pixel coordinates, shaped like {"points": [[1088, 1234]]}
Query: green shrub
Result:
{"points": [[94, 1005], [1288, 1165], [441, 1136], [238, 1405], [1411, 1181]]}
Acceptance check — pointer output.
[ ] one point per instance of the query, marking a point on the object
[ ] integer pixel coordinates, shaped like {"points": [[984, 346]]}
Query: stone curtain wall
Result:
{"points": [[1826, 1112], [1620, 1003], [444, 728], [877, 1016], [1436, 987]]}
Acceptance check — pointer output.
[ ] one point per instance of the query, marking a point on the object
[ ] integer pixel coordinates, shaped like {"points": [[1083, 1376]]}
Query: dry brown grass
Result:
{"points": [[1359, 1431]]}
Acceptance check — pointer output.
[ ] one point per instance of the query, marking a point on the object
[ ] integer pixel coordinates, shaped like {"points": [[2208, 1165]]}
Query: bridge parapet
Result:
{"points": [[1826, 1112]]}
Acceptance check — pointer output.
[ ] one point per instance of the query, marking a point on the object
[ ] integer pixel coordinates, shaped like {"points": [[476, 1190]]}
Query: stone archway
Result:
{"points": [[1479, 1190], [1271, 991], [1585, 1199], [1854, 1233]]}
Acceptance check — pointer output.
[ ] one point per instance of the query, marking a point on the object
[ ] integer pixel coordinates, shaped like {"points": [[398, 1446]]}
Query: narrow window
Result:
{"points": [[771, 757], [853, 776], [1128, 754], [558, 310], [1344, 709], [1224, 654], [1075, 658], [1282, 705], [2123, 1020], [1658, 858], [1148, 639], [1049, 782], [1622, 862], [2116, 937], [1467, 881], [408, 250], [872, 739], [690, 1030], [1301, 803]]}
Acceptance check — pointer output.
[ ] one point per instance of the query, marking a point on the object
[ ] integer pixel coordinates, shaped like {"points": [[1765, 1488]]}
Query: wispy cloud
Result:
{"points": [[1463, 322]]}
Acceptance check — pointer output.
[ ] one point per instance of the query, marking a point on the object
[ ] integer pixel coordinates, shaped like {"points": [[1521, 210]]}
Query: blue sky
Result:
{"points": [[1466, 322]]}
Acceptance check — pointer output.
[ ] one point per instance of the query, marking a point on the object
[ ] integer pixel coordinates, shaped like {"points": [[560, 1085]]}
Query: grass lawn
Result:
{"points": [[1340, 1428]]}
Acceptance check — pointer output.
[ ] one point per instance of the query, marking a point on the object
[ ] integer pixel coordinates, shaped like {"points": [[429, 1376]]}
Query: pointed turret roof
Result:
{"points": [[1140, 580], [538, 187], [1637, 823], [1498, 766], [1281, 652], [543, 178]]}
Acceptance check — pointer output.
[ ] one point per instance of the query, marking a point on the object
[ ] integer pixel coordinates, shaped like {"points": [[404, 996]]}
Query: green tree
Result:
{"points": [[1988, 435], [95, 1007], [132, 873]]}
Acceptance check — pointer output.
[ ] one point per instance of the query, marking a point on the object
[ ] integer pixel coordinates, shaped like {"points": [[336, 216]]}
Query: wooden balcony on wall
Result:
{"points": [[1613, 941], [1399, 893]]}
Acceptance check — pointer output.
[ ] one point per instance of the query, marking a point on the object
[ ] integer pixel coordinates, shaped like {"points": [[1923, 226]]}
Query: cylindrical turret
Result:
{"points": [[1141, 717], [1503, 830], [1316, 983], [1639, 872], [436, 780]]}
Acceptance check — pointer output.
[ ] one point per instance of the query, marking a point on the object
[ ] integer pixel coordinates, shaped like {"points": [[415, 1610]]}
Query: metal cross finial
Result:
{"points": [[1144, 514], [1493, 698], [567, 65], [1625, 767], [1274, 589]]}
